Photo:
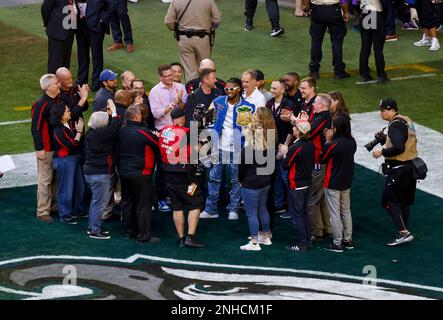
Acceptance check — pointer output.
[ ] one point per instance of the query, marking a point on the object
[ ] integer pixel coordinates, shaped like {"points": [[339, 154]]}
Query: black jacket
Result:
{"points": [[64, 143], [99, 14], [320, 121], [42, 130], [247, 172], [300, 162], [339, 158], [53, 18], [137, 149], [283, 128], [71, 98], [101, 142], [199, 97], [194, 84]]}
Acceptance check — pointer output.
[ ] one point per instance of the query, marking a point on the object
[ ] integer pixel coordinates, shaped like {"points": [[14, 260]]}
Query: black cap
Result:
{"points": [[260, 75], [388, 104], [177, 113]]}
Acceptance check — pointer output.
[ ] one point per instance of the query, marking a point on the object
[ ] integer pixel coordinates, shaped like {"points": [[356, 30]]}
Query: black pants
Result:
{"points": [[59, 53], [121, 16], [137, 206], [271, 7], [372, 37], [428, 14], [88, 40], [323, 18]]}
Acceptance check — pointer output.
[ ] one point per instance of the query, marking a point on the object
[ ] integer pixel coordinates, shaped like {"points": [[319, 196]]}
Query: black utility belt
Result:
{"points": [[325, 5], [193, 33]]}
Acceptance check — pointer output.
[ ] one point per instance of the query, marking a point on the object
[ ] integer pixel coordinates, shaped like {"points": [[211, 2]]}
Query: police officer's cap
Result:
{"points": [[388, 104], [177, 112]]}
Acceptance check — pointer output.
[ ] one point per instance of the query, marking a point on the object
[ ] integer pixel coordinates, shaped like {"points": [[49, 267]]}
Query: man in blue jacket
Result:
{"points": [[232, 113]]}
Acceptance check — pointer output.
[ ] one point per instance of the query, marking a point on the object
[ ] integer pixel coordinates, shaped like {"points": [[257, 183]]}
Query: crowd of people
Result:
{"points": [[289, 152]]}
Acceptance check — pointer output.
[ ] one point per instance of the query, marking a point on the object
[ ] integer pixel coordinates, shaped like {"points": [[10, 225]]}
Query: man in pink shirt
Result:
{"points": [[165, 96]]}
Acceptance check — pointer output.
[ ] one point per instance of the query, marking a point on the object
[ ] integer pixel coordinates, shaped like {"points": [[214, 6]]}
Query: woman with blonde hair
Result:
{"points": [[254, 173]]}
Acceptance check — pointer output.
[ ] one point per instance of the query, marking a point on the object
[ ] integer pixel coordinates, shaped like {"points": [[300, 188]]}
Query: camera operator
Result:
{"points": [[181, 182], [401, 149]]}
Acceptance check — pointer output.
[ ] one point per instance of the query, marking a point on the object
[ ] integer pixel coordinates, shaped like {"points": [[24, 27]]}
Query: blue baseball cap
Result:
{"points": [[107, 74]]}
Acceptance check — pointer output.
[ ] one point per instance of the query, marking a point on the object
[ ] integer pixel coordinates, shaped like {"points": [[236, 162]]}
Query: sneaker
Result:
{"points": [[391, 37], [333, 247], [70, 221], [264, 240], [104, 231], [409, 26], [316, 238], [233, 215], [163, 206], [401, 238], [207, 215], [366, 78], [250, 246], [133, 1], [285, 215], [435, 45], [342, 75], [181, 242], [425, 41], [382, 80], [348, 244], [166, 1], [279, 210], [295, 247], [46, 218], [248, 24], [277, 32], [99, 235], [192, 242]]}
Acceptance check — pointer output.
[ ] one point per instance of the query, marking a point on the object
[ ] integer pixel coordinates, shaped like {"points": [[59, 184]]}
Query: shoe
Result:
{"points": [[343, 75], [315, 75], [166, 1], [248, 24], [348, 244], [104, 231], [163, 207], [409, 26], [277, 32], [285, 215], [116, 46], [133, 1], [192, 242], [233, 215], [435, 45], [391, 37], [46, 218], [250, 246], [280, 211], [99, 235], [207, 215], [295, 247], [264, 240], [130, 48], [181, 242], [366, 78], [401, 239], [80, 215], [150, 240], [70, 221], [382, 80], [425, 41], [333, 247], [317, 238]]}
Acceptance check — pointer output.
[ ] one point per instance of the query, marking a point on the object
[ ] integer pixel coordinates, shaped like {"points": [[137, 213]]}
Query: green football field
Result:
{"points": [[27, 244]]}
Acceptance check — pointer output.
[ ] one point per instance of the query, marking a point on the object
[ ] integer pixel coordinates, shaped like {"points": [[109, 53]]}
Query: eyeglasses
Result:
{"points": [[231, 89], [167, 75]]}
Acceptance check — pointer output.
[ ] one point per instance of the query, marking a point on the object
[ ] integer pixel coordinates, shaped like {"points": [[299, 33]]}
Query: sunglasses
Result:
{"points": [[231, 89]]}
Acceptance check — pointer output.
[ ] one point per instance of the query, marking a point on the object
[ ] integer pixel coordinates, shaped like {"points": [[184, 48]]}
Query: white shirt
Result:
{"points": [[267, 94], [371, 5], [256, 98], [227, 137]]}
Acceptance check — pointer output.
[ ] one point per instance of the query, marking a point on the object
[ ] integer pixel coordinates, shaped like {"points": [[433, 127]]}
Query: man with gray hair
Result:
{"points": [[250, 89], [42, 134]]}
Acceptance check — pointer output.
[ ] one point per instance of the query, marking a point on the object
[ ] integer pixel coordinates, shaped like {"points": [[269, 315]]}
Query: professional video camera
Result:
{"points": [[380, 137], [203, 116]]}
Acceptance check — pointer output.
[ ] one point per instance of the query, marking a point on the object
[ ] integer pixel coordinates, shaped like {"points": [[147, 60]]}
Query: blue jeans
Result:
{"points": [[215, 180], [298, 208], [99, 184], [255, 205], [281, 185], [70, 186]]}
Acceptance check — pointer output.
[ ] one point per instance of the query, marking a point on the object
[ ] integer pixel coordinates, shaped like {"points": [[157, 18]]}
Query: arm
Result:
{"points": [[345, 9], [66, 138], [157, 108], [398, 134], [111, 7], [215, 14], [171, 17], [36, 126], [46, 9]]}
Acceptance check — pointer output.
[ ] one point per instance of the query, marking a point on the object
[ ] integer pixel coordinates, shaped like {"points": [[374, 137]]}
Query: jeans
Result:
{"points": [[281, 185], [339, 204], [298, 208], [255, 205], [121, 16], [99, 184], [215, 181], [70, 186]]}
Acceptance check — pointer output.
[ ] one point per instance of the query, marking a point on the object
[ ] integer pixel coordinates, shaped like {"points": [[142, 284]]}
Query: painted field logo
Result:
{"points": [[149, 277]]}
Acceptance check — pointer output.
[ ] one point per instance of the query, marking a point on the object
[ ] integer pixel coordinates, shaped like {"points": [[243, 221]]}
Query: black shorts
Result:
{"points": [[180, 198], [429, 14]]}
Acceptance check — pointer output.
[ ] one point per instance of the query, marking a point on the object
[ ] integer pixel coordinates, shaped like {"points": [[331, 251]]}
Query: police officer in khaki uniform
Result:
{"points": [[195, 19]]}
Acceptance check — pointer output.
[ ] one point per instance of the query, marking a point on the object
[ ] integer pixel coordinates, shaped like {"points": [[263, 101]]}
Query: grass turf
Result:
{"points": [[23, 53]]}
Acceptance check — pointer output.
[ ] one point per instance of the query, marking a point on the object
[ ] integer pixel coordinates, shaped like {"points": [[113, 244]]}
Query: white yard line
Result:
{"points": [[7, 123], [427, 75]]}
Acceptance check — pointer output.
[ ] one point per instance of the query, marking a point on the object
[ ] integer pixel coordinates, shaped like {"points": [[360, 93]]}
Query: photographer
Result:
{"points": [[401, 149], [181, 183]]}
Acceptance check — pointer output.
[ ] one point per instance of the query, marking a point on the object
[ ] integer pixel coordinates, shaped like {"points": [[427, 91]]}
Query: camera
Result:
{"points": [[203, 116], [380, 137]]}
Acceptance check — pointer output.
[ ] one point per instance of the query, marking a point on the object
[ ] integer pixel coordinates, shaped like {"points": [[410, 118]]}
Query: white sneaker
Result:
{"points": [[233, 215], [425, 41], [250, 246], [264, 240], [435, 45], [166, 1], [133, 1], [206, 215]]}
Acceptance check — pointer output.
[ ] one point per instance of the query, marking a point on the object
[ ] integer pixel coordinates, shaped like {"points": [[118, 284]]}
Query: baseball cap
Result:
{"points": [[177, 113], [107, 74], [303, 125], [388, 104]]}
